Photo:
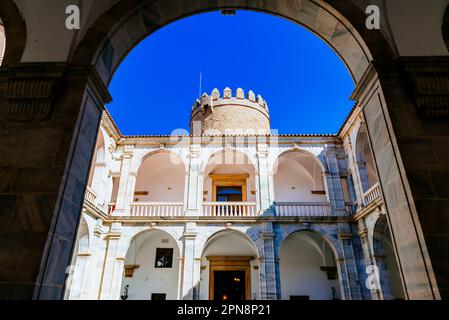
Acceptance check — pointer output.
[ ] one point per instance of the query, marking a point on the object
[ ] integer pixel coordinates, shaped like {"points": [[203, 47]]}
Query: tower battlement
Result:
{"points": [[231, 112]]}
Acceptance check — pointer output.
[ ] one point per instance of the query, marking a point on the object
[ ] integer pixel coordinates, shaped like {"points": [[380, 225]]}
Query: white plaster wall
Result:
{"points": [[300, 262], [228, 243], [293, 184], [163, 179], [114, 191], [147, 279], [297, 175]]}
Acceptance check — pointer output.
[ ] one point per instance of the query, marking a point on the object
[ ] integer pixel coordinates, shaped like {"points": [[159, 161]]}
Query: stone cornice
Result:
{"points": [[30, 90], [429, 78]]}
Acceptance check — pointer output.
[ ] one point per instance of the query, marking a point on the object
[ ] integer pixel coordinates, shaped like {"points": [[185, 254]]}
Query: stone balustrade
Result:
{"points": [[156, 209], [303, 209], [372, 194], [90, 196], [229, 209]]}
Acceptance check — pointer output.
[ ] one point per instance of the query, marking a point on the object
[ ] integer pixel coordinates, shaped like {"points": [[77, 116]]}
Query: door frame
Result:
{"points": [[230, 263], [229, 180]]}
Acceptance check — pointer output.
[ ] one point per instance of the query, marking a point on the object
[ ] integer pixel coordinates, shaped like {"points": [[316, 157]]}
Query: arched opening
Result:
{"points": [[151, 267], [117, 41], [160, 184], [299, 186], [365, 160], [101, 184], [384, 254], [98, 159], [13, 33], [229, 186], [229, 268], [308, 268], [2, 41], [445, 27], [77, 284]]}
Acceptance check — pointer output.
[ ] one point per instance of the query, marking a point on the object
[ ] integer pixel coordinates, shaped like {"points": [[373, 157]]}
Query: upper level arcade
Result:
{"points": [[231, 176]]}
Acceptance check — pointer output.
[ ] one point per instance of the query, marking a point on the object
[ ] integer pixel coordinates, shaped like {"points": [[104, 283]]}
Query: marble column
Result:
{"points": [[126, 184], [350, 278], [113, 266], [264, 179], [385, 290], [352, 165], [98, 182], [367, 254], [363, 175], [334, 187], [268, 272], [194, 190], [191, 274]]}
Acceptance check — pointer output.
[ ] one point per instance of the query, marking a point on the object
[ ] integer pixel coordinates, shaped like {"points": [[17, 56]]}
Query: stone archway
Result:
{"points": [[15, 29], [389, 274], [76, 113], [228, 251], [152, 265], [341, 26], [311, 278]]}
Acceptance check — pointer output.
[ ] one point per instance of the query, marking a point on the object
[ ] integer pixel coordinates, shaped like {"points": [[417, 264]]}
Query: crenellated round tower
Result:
{"points": [[230, 114]]}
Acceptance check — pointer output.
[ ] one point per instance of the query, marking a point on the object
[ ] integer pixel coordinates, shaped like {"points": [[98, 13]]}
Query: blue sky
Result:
{"points": [[305, 84]]}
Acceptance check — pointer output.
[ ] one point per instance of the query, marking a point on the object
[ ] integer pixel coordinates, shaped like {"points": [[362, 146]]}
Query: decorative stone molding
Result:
{"points": [[267, 235], [430, 81], [363, 232], [331, 272], [29, 99], [30, 90], [345, 236], [428, 78], [129, 270]]}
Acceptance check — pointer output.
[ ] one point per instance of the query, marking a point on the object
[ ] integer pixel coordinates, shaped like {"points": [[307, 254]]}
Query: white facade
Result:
{"points": [[304, 227]]}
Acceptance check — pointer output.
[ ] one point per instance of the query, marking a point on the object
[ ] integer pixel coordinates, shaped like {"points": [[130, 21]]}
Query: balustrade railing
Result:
{"points": [[372, 194], [229, 209], [90, 196], [156, 209], [303, 209]]}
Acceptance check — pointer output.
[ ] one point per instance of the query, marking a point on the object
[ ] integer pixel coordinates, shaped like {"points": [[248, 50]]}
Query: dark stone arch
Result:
{"points": [[445, 27], [390, 274], [125, 24], [16, 33]]}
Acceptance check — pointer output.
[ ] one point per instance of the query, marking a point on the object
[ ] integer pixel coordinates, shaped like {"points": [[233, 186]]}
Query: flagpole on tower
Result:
{"points": [[201, 84]]}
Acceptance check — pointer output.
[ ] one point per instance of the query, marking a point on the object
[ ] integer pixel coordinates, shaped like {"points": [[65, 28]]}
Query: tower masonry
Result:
{"points": [[230, 114]]}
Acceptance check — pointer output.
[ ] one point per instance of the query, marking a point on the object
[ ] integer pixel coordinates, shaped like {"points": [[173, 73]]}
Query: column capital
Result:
{"points": [[190, 235], [345, 236], [113, 236], [262, 154], [363, 232], [267, 235]]}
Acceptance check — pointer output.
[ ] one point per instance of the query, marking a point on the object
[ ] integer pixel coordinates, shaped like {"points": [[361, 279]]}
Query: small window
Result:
{"points": [[158, 296], [164, 258]]}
